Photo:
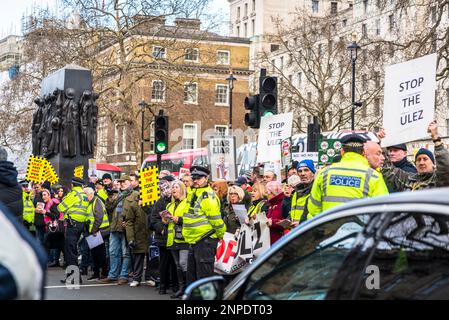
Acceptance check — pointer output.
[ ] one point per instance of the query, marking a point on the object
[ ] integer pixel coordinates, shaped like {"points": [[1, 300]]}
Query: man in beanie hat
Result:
{"points": [[427, 175], [350, 179], [306, 173], [10, 190], [76, 214]]}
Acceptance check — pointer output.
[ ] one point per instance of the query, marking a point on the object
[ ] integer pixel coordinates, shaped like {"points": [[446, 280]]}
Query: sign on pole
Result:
{"points": [[92, 167], [273, 129], [36, 169], [149, 191], [286, 154], [222, 157], [79, 172], [299, 156], [50, 174], [409, 104]]}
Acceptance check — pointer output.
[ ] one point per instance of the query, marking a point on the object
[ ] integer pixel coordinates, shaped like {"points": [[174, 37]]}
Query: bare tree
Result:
{"points": [[311, 59]]}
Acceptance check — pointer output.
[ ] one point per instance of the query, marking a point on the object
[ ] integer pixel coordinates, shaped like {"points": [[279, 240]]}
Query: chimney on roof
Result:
{"points": [[184, 23], [150, 21]]}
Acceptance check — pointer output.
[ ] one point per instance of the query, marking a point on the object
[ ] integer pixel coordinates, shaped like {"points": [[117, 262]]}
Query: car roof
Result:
{"points": [[431, 196]]}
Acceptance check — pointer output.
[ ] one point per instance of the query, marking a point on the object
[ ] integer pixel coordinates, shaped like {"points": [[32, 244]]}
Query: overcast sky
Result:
{"points": [[12, 11]]}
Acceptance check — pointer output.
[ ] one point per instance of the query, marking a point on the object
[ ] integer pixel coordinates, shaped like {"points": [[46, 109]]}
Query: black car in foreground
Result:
{"points": [[392, 247]]}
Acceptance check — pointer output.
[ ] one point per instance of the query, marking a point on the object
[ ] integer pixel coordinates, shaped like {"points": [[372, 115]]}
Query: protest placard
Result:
{"points": [[222, 157], [79, 172], [50, 174], [409, 103], [149, 191], [273, 130], [35, 169]]}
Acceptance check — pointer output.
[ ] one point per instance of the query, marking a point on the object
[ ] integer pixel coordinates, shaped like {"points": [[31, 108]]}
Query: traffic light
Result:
{"points": [[313, 135], [268, 93], [161, 134], [252, 119]]}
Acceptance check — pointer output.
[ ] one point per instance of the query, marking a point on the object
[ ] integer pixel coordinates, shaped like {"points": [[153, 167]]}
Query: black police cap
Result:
{"points": [[353, 138], [24, 183], [199, 171], [77, 181]]}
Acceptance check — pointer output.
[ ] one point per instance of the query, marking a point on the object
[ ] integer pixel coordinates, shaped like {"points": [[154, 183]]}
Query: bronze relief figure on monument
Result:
{"points": [[65, 120]]}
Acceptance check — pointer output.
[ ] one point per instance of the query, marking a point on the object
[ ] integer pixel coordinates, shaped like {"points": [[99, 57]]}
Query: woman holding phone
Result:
{"points": [[175, 241]]}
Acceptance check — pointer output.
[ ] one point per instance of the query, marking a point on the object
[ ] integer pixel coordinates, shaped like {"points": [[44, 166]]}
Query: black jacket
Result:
{"points": [[405, 165], [160, 229], [10, 190]]}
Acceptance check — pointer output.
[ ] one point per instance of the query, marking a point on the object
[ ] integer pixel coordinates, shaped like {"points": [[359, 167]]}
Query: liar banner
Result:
{"points": [[149, 191]]}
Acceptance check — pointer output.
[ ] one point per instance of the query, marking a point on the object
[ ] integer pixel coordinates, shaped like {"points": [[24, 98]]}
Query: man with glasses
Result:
{"points": [[202, 226]]}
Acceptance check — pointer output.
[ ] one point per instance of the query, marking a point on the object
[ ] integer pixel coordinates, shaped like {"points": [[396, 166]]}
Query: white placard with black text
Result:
{"points": [[273, 129], [409, 104]]}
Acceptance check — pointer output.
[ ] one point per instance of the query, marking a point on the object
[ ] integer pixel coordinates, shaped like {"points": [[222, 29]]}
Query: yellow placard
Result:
{"points": [[35, 169], [149, 191], [50, 174], [79, 172]]}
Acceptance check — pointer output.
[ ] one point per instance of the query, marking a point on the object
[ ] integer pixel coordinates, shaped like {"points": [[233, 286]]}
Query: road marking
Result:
{"points": [[83, 285]]}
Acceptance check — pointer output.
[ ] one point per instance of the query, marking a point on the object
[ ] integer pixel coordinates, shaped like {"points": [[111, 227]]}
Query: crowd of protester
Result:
{"points": [[130, 230]]}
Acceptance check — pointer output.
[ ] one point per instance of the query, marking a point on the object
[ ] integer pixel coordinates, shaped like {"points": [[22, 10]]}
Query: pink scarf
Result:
{"points": [[48, 205]]}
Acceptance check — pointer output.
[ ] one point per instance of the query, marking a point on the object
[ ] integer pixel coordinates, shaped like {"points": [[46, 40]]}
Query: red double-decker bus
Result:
{"points": [[178, 161]]}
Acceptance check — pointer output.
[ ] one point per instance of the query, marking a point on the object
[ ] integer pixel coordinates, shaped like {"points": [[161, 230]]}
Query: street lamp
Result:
{"points": [[353, 49], [142, 106], [230, 80]]}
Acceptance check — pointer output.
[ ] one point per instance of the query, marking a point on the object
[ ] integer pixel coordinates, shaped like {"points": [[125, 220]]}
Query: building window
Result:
{"points": [[447, 127], [254, 5], [364, 82], [245, 28], [238, 12], [189, 136], [377, 79], [344, 23], [334, 7], [192, 55], [273, 66], [221, 130], [378, 27], [191, 93], [376, 107], [299, 79], [391, 22], [158, 91], [447, 97], [364, 31], [238, 31], [282, 63], [246, 9], [221, 94], [159, 52], [223, 57], [433, 11], [315, 4], [365, 6], [253, 27]]}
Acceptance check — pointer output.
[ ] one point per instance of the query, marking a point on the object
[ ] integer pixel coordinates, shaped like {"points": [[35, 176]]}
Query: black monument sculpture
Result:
{"points": [[65, 121]]}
